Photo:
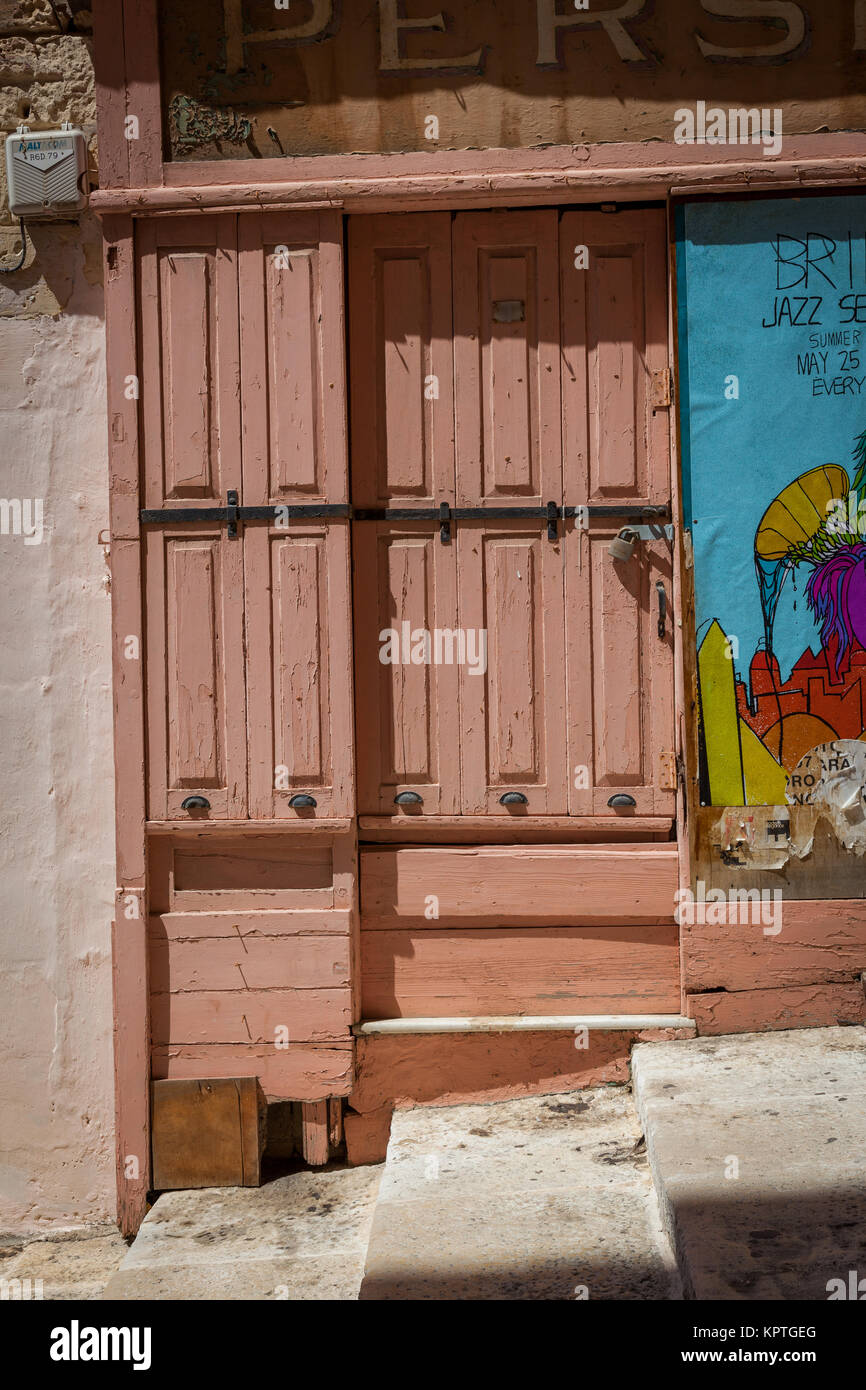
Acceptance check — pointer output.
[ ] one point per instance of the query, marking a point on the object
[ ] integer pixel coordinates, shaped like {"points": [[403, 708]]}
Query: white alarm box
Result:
{"points": [[47, 171]]}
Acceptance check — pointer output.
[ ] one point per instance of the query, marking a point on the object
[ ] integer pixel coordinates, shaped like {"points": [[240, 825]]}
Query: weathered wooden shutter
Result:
{"points": [[402, 457], [559, 368], [298, 606], [192, 459], [509, 453], [616, 452], [248, 626]]}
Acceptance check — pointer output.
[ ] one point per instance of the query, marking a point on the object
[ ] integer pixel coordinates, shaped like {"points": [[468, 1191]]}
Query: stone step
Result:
{"points": [[756, 1144], [544, 1197]]}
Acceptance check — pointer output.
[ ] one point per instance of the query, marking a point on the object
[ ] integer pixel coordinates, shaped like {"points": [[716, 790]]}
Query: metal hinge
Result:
{"points": [[668, 770], [660, 390]]}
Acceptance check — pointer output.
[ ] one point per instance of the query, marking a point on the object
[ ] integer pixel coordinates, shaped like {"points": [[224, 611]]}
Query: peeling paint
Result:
{"points": [[754, 837], [353, 78], [828, 785], [194, 124], [830, 782]]}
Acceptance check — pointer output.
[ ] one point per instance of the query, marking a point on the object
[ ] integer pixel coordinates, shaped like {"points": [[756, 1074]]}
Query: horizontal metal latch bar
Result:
{"points": [[444, 514], [290, 511], [455, 513], [153, 516], [628, 510], [636, 510]]}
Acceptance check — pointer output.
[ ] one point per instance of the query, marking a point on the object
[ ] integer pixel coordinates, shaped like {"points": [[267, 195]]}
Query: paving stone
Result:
{"points": [[757, 1146], [302, 1236], [71, 1264], [293, 1278], [811, 1062]]}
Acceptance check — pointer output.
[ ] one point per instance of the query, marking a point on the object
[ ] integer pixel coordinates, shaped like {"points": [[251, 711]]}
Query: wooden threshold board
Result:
{"points": [[522, 1024]]}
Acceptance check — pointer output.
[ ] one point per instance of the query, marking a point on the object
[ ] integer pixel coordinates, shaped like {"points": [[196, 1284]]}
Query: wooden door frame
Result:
{"points": [[131, 1004], [136, 180]]}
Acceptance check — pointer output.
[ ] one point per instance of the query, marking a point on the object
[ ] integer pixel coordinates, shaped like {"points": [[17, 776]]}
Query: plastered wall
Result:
{"points": [[56, 845]]}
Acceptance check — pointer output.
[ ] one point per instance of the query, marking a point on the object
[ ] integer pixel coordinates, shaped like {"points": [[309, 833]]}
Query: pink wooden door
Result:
{"points": [[616, 453], [298, 605], [496, 370], [402, 424], [248, 624], [188, 384], [509, 454]]}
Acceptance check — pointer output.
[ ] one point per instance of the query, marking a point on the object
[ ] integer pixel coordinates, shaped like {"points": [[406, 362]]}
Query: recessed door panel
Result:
{"points": [[406, 671], [402, 365], [512, 679], [291, 297], [614, 341], [188, 367], [506, 341], [194, 643], [299, 669]]}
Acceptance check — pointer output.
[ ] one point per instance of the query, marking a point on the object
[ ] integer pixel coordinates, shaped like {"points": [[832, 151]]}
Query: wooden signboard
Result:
{"points": [[266, 78]]}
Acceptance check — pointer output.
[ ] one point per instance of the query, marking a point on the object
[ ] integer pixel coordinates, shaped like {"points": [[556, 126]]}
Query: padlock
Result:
{"points": [[622, 546]]}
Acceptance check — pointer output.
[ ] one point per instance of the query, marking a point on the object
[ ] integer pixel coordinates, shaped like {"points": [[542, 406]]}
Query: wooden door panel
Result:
{"points": [[292, 325], [506, 327], [506, 885], [618, 597], [406, 704], [614, 338], [506, 324], [616, 450], [402, 372], [195, 684], [545, 972], [188, 364], [188, 383], [512, 714], [299, 668], [620, 679], [297, 589], [402, 456]]}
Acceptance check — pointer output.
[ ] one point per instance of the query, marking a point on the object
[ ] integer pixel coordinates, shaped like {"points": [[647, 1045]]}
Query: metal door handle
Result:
{"points": [[663, 606]]}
